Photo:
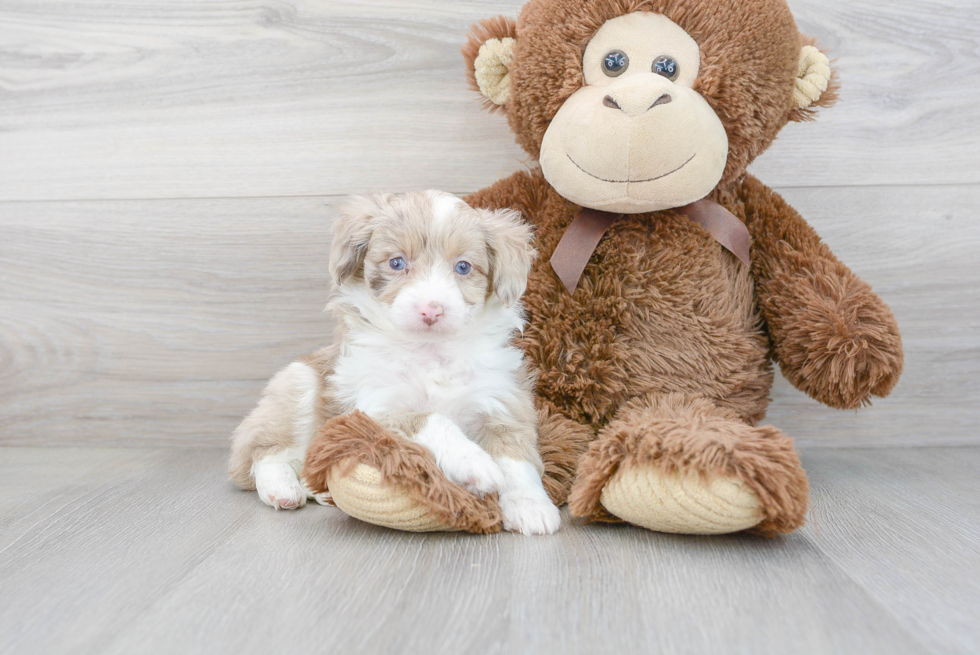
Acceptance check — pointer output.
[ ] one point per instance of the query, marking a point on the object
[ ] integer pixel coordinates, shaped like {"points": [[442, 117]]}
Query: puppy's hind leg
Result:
{"points": [[269, 446]]}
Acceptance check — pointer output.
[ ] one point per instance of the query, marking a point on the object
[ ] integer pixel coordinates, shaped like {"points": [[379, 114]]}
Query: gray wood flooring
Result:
{"points": [[153, 551]]}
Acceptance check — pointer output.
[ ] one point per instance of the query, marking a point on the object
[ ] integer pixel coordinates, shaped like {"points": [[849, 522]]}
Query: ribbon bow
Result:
{"points": [[587, 228]]}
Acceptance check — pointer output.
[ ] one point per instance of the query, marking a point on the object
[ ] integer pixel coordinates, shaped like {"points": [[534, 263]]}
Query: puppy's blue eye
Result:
{"points": [[463, 268], [397, 263], [615, 63], [664, 65]]}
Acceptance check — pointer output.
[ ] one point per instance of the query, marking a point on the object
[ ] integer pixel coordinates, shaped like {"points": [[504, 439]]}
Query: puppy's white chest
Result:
{"points": [[437, 375], [442, 380], [422, 380]]}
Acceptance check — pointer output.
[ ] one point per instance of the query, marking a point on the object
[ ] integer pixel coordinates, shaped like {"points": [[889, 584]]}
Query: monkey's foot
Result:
{"points": [[362, 493], [682, 503], [680, 464], [379, 477]]}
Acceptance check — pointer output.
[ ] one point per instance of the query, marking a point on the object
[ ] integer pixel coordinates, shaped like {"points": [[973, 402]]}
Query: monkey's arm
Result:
{"points": [[832, 335], [521, 191]]}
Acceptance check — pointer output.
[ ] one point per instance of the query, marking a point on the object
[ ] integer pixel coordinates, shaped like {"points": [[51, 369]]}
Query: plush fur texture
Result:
{"points": [[677, 432], [664, 351], [681, 316], [833, 337], [561, 442], [662, 357], [355, 438]]}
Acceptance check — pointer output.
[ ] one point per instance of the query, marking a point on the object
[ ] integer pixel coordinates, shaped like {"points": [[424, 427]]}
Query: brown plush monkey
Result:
{"points": [[652, 338]]}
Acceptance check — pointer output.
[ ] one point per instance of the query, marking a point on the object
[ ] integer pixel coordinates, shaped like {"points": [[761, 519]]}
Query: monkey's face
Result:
{"points": [[636, 137], [641, 105]]}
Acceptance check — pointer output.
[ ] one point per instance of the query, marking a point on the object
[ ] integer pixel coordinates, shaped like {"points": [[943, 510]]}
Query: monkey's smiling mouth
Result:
{"points": [[651, 179]]}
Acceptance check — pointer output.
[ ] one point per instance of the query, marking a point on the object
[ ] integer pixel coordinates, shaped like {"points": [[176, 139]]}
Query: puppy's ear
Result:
{"points": [[352, 234], [509, 240]]}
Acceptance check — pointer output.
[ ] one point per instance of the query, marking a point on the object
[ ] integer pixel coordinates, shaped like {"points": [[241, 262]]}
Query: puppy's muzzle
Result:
{"points": [[431, 312]]}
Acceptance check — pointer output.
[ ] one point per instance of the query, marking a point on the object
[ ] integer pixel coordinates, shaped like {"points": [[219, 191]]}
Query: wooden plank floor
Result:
{"points": [[153, 551]]}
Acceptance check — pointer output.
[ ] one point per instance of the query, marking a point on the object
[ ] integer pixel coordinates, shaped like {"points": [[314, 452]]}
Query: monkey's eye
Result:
{"points": [[615, 63], [463, 268], [664, 65], [397, 263]]}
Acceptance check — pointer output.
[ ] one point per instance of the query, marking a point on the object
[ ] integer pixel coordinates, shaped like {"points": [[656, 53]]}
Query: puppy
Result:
{"points": [[426, 295]]}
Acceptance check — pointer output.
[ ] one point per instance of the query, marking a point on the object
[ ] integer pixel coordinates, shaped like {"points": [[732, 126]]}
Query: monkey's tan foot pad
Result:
{"points": [[363, 495], [677, 463], [675, 502], [379, 477]]}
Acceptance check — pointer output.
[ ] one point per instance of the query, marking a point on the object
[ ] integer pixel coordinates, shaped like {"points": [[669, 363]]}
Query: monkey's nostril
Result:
{"points": [[662, 100], [609, 102]]}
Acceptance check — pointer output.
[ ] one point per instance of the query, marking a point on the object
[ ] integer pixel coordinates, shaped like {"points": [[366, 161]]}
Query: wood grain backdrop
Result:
{"points": [[168, 171]]}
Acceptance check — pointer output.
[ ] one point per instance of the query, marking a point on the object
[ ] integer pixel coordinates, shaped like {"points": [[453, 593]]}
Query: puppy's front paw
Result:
{"points": [[278, 486], [460, 459], [528, 514], [474, 469]]}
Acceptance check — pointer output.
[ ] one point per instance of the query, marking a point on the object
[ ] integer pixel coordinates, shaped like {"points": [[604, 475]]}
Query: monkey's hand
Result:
{"points": [[834, 338]]}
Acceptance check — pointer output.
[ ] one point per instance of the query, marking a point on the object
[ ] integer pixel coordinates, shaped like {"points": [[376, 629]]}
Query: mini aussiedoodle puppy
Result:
{"points": [[427, 296]]}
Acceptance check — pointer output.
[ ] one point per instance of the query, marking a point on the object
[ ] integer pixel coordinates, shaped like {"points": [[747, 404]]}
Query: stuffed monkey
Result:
{"points": [[669, 279]]}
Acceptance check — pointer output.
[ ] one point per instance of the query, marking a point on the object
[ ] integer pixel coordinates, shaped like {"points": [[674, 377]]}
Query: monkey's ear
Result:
{"points": [[815, 85], [489, 53], [352, 235]]}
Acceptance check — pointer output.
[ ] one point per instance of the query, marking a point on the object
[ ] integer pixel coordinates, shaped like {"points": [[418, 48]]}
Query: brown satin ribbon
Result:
{"points": [[586, 229]]}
